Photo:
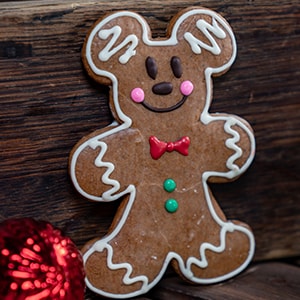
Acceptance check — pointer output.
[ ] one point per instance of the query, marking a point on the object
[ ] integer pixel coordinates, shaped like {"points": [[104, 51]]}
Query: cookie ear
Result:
{"points": [[209, 37], [113, 41]]}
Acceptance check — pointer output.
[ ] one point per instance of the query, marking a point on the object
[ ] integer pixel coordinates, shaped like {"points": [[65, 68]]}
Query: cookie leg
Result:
{"points": [[114, 273], [107, 277], [212, 249], [227, 254], [222, 261], [125, 264]]}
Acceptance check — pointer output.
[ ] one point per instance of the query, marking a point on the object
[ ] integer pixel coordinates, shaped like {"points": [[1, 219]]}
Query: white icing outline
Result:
{"points": [[195, 43], [114, 193]]}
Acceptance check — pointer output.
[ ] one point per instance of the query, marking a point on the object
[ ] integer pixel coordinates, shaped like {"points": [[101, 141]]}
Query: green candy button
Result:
{"points": [[171, 205], [169, 185]]}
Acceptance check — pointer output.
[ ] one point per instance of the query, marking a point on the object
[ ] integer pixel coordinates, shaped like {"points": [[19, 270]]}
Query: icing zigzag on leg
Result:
{"points": [[100, 246], [103, 244], [203, 263]]}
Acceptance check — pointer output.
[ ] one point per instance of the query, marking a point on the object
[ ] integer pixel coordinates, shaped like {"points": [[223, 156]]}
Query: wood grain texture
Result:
{"points": [[266, 281], [48, 103]]}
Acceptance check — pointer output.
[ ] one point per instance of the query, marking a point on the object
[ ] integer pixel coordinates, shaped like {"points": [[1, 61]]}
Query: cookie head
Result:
{"points": [[159, 75]]}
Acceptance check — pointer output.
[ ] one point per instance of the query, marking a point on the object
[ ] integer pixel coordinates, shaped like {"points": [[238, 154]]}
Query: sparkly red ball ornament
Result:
{"points": [[37, 262]]}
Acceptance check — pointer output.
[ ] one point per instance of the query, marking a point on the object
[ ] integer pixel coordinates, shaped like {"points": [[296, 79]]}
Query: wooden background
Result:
{"points": [[47, 103]]}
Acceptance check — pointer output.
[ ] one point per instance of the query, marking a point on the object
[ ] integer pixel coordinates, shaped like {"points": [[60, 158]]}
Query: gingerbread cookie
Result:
{"points": [[160, 154]]}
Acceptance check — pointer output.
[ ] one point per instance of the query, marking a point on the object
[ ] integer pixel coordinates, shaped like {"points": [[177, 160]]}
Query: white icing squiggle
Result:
{"points": [[203, 263], [205, 27], [231, 144], [108, 52], [196, 44], [185, 267], [94, 143], [101, 245], [114, 192], [108, 195]]}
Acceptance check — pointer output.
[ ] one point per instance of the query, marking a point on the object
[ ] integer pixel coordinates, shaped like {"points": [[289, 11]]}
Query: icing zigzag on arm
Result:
{"points": [[110, 194], [231, 144], [105, 177], [94, 143]]}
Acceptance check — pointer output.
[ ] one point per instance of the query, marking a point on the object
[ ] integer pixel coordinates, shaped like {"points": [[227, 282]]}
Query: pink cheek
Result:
{"points": [[186, 88], [137, 95]]}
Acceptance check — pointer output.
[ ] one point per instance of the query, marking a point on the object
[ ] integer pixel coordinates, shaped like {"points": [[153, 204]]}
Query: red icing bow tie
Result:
{"points": [[158, 148]]}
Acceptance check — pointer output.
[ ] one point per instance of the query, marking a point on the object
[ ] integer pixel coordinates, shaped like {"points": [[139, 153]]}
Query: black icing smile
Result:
{"points": [[166, 109]]}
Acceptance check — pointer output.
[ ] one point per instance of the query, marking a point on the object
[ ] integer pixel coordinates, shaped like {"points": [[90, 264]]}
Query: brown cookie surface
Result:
{"points": [[161, 153]]}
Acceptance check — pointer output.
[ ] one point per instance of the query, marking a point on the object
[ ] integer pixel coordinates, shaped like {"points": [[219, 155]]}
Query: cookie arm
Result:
{"points": [[237, 151], [96, 163]]}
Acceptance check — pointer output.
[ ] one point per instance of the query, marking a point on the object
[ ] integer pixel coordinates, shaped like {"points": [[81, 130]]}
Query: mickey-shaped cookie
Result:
{"points": [[160, 154]]}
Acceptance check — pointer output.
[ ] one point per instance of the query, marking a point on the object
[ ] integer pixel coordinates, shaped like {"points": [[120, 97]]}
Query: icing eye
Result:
{"points": [[176, 66], [151, 67], [137, 95], [186, 88]]}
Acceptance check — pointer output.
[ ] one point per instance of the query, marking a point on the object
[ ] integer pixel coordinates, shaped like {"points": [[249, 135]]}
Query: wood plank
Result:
{"points": [[48, 103], [265, 281]]}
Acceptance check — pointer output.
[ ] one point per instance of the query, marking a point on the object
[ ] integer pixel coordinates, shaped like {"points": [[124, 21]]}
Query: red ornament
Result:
{"points": [[38, 263]]}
